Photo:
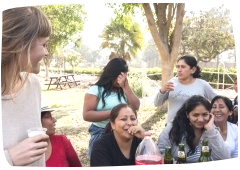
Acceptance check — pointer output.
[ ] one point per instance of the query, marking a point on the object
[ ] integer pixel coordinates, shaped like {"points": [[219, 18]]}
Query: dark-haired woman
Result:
{"points": [[180, 88], [191, 125], [60, 151], [118, 145], [222, 110], [235, 102], [111, 89]]}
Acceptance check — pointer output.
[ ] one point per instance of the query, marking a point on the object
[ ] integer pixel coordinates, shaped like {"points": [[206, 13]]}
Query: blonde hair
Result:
{"points": [[20, 29]]}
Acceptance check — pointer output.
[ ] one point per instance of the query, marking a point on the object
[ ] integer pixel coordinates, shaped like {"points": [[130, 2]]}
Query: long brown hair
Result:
{"points": [[20, 29]]}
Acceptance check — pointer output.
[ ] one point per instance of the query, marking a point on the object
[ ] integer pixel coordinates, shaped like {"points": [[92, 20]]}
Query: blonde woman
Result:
{"points": [[25, 34]]}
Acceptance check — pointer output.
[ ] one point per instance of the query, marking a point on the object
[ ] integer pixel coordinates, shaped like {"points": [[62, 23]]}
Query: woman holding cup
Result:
{"points": [[187, 83], [25, 34]]}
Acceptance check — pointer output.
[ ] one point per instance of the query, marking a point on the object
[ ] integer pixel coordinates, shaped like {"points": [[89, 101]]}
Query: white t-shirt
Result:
{"points": [[181, 93], [232, 139]]}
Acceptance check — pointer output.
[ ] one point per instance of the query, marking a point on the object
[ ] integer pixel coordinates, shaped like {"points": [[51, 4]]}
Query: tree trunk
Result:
{"points": [[168, 47]]}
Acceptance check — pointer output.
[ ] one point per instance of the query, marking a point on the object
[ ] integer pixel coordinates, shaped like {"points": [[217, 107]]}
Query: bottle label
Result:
{"points": [[205, 148], [181, 154]]}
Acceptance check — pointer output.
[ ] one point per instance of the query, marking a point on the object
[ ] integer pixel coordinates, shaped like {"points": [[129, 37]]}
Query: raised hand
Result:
{"points": [[169, 86], [28, 150], [122, 80], [137, 131], [210, 123]]}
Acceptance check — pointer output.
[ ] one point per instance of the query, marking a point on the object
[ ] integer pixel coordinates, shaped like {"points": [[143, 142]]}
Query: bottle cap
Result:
{"points": [[147, 133], [168, 147]]}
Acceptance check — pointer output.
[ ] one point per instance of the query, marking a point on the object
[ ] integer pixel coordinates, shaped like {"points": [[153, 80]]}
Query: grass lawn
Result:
{"points": [[68, 112]]}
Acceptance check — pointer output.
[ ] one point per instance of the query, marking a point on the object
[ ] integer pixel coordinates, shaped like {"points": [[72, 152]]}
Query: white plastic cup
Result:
{"points": [[174, 83], [36, 131]]}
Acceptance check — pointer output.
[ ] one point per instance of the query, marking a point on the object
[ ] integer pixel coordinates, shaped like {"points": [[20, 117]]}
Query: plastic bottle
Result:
{"points": [[147, 152]]}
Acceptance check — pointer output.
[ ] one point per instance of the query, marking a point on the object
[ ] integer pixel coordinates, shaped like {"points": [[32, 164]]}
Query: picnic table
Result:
{"points": [[62, 80]]}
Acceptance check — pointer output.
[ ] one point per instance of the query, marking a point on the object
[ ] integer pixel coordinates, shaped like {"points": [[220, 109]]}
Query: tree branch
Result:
{"points": [[169, 20], [162, 7], [178, 30], [163, 49]]}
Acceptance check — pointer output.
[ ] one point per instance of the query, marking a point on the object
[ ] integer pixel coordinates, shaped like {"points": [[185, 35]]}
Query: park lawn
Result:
{"points": [[68, 105], [68, 112]]}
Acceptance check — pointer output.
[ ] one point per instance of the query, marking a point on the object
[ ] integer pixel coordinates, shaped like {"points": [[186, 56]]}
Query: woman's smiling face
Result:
{"points": [[49, 122], [221, 111], [199, 116], [125, 119]]}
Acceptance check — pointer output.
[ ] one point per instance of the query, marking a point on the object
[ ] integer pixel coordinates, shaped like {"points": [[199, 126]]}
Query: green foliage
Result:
{"points": [[67, 23], [211, 75], [88, 54], [123, 36], [73, 58], [150, 53], [207, 35], [135, 82], [122, 9]]}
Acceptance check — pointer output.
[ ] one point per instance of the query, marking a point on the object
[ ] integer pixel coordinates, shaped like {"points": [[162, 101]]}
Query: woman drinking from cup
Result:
{"points": [[187, 83]]}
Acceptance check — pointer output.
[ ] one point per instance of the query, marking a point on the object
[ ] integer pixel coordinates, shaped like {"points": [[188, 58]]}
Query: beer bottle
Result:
{"points": [[181, 158], [168, 159], [205, 152]]}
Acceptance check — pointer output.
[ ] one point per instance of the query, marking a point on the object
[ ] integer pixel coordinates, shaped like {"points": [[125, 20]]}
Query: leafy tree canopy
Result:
{"points": [[123, 36], [208, 34], [67, 23]]}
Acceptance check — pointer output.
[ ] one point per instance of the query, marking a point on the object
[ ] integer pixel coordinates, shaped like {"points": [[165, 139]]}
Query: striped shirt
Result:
{"points": [[192, 158]]}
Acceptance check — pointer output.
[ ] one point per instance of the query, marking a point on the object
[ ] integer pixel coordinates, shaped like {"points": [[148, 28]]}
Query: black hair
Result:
{"points": [[110, 73], [114, 114], [181, 125], [192, 62], [44, 113], [228, 103]]}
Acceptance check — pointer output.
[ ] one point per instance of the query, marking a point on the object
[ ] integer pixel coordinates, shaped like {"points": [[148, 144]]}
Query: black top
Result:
{"points": [[106, 152], [235, 103]]}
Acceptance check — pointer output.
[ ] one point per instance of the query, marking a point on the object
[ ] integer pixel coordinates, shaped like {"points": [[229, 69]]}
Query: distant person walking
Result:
{"points": [[187, 83], [111, 89]]}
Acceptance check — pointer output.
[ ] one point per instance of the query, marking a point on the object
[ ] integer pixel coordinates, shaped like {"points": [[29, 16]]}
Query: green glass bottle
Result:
{"points": [[181, 159], [205, 152], [168, 159]]}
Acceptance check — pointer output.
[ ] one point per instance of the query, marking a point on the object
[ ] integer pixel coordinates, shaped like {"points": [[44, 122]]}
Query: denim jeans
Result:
{"points": [[95, 132]]}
